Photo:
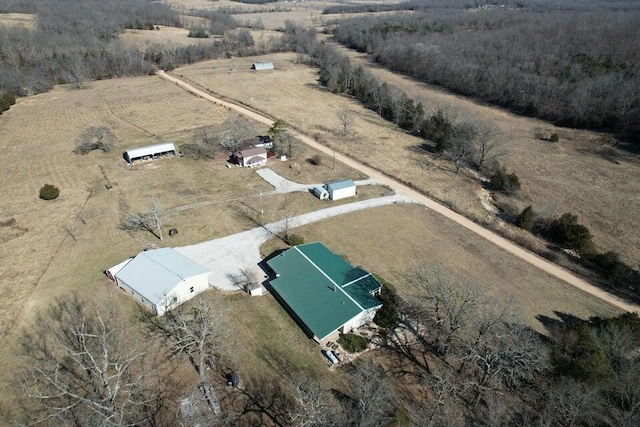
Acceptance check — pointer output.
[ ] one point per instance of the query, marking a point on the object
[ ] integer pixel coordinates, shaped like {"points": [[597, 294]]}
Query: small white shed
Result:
{"points": [[341, 189], [320, 192], [261, 66], [150, 151]]}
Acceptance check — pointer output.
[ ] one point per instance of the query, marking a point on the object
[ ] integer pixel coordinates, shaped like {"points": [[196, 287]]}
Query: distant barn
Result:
{"points": [[259, 66], [149, 152]]}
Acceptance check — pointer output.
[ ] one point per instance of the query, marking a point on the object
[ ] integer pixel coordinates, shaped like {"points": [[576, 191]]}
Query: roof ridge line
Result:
{"points": [[330, 279], [162, 265], [358, 279]]}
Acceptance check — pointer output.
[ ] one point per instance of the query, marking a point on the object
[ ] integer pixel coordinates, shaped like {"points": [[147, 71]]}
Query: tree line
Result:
{"points": [[576, 67]]}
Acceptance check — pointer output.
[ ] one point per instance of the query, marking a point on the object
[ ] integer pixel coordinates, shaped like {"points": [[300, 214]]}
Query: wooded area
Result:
{"points": [[577, 66], [74, 42]]}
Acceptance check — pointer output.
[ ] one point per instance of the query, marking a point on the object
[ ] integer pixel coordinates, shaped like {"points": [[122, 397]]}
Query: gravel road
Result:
{"points": [[404, 191]]}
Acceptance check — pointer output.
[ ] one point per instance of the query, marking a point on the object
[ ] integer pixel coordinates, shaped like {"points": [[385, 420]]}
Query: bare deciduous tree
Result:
{"points": [[194, 332], [460, 151], [151, 220], [234, 132], [442, 301], [373, 398], [489, 146], [95, 138], [83, 369], [313, 405], [346, 119]]}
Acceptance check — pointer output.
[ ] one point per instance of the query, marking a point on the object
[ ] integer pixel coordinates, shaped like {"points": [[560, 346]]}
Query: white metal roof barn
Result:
{"points": [[259, 66], [149, 151], [160, 279]]}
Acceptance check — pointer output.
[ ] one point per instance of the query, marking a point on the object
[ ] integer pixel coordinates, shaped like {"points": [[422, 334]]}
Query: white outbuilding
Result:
{"points": [[150, 152], [341, 189], [320, 192], [261, 66], [160, 279]]}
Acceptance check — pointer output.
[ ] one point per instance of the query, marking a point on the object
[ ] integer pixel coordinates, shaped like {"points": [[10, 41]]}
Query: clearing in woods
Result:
{"points": [[40, 261], [569, 176], [25, 20]]}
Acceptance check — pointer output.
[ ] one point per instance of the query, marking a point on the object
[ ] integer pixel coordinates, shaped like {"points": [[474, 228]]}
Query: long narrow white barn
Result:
{"points": [[160, 279], [150, 151]]}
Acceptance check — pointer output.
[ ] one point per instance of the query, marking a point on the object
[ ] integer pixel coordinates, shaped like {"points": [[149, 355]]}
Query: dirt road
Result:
{"points": [[402, 189]]}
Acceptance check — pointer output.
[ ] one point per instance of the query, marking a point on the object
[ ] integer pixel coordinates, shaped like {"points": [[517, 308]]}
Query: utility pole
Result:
{"points": [[261, 205]]}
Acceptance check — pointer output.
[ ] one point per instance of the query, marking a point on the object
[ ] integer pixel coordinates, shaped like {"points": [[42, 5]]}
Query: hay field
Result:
{"points": [[292, 93], [567, 176], [390, 240], [25, 20], [164, 36]]}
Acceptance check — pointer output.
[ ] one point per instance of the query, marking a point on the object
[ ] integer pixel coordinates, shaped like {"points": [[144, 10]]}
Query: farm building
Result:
{"points": [[260, 66], [323, 292], [251, 157], [160, 279], [149, 152], [341, 189], [320, 192]]}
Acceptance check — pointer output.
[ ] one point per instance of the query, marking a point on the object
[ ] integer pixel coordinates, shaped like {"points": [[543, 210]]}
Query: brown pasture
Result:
{"points": [[391, 240], [25, 20], [569, 176], [40, 261], [163, 36]]}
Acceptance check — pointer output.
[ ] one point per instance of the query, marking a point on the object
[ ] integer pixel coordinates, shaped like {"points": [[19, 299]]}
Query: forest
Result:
{"points": [[74, 42], [577, 66]]}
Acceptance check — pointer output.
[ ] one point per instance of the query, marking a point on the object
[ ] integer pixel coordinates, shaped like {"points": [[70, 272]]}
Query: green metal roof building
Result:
{"points": [[324, 293]]}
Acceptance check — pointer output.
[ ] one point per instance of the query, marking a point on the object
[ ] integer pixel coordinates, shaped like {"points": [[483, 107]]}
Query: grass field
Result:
{"points": [[163, 35], [392, 239], [18, 20], [39, 261], [291, 93], [568, 176]]}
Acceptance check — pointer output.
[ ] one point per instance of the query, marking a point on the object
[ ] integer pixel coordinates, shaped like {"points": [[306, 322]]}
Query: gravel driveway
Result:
{"points": [[225, 257]]}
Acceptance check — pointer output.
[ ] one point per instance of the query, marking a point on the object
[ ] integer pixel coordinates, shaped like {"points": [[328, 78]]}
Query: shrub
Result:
{"points": [[4, 105], [294, 240], [352, 343], [609, 265], [387, 315], [198, 34], [567, 232], [9, 97], [526, 219], [554, 138], [316, 159], [504, 182], [49, 192]]}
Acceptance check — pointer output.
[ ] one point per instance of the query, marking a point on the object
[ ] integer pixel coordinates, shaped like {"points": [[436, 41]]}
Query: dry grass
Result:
{"points": [[563, 177], [25, 20], [390, 240], [567, 176], [44, 263], [301, 168], [163, 36], [291, 93]]}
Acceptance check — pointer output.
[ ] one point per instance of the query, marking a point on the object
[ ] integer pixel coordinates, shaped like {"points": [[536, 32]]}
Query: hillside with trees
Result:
{"points": [[77, 41], [576, 64]]}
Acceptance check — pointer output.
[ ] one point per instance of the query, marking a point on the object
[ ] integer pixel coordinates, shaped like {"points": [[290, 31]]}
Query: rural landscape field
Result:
{"points": [[500, 227]]}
